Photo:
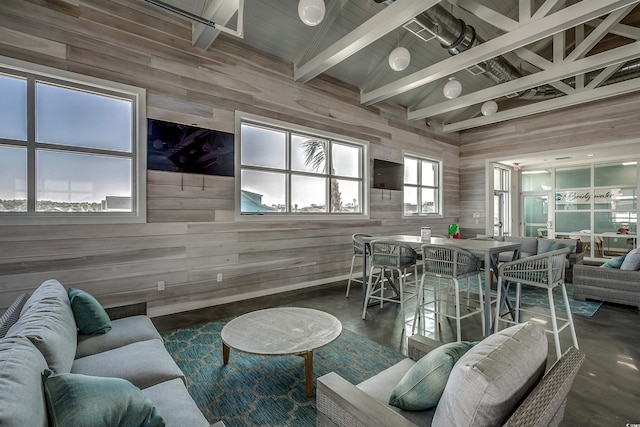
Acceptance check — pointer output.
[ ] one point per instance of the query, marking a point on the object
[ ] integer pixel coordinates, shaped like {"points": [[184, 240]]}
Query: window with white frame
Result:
{"points": [[287, 170], [71, 148], [422, 186]]}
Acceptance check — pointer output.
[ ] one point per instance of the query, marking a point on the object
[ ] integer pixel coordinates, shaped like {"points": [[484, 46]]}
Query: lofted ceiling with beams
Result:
{"points": [[529, 56]]}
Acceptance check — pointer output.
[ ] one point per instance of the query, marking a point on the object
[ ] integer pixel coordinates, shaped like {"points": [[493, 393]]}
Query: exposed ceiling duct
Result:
{"points": [[457, 37]]}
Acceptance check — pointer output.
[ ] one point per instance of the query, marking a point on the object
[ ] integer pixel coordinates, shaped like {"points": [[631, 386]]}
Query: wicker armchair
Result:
{"points": [[340, 403]]}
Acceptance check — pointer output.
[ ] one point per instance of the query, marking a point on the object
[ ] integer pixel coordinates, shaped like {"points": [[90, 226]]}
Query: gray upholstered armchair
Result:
{"points": [[500, 381]]}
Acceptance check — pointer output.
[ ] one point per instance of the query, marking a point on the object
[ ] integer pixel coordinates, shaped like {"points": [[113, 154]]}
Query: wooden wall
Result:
{"points": [[191, 235], [609, 122]]}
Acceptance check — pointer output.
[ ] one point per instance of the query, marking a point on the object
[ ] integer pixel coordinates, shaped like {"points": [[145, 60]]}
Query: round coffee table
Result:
{"points": [[281, 331]]}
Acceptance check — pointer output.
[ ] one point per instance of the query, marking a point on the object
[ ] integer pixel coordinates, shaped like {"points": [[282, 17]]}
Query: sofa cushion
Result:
{"points": [[144, 363], [123, 331], [12, 314], [421, 387], [631, 261], [528, 245], [90, 316], [381, 385], [614, 262], [47, 320], [493, 377], [175, 405], [86, 401], [21, 365]]}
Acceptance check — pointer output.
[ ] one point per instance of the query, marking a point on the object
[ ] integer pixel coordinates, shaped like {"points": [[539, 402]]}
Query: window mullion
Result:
{"points": [[31, 145]]}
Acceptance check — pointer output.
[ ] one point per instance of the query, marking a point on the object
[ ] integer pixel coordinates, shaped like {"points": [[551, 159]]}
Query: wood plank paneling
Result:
{"points": [[191, 235]]}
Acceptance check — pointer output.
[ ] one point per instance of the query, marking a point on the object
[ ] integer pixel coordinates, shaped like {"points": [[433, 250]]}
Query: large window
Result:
{"points": [[290, 170], [71, 149], [596, 203], [422, 193]]}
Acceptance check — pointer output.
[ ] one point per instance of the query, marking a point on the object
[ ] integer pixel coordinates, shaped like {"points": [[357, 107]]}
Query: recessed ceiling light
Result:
{"points": [[589, 155]]}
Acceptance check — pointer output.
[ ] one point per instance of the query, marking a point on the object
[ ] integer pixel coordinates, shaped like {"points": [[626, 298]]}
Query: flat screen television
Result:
{"points": [[183, 148], [388, 175]]}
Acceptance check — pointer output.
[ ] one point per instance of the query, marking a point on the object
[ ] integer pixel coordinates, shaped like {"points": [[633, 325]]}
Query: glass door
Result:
{"points": [[536, 215]]}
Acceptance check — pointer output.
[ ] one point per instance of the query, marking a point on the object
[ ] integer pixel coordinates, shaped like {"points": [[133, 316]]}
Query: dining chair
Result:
{"points": [[389, 257], [545, 270], [451, 264], [359, 251]]}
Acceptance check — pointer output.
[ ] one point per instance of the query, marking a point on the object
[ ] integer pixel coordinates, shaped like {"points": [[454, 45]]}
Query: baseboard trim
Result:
{"points": [[194, 305]]}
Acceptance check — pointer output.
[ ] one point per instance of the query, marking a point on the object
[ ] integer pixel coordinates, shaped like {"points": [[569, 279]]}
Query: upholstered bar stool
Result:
{"points": [[359, 251], [449, 264], [390, 257], [545, 270]]}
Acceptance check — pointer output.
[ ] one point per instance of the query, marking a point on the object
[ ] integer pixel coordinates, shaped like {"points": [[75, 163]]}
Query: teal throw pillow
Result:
{"points": [[90, 316], [422, 386], [86, 401], [615, 262], [631, 261]]}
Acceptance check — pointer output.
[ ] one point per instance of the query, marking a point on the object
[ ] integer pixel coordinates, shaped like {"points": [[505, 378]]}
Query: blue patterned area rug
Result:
{"points": [[538, 297], [266, 391], [532, 295]]}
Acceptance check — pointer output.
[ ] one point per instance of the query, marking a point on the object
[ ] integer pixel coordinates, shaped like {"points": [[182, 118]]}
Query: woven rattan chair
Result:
{"points": [[389, 257], [547, 271], [359, 251], [452, 264], [340, 403]]}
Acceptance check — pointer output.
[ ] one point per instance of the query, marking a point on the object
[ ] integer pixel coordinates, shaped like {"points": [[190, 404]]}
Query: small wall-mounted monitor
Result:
{"points": [[388, 175]]}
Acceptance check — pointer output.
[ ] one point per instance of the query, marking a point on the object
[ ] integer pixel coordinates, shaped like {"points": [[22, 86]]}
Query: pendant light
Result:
{"points": [[453, 88], [489, 108], [399, 58], [311, 12]]}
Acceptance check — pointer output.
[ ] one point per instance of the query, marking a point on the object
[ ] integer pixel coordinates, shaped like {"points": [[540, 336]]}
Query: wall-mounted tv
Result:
{"points": [[388, 175], [183, 148]]}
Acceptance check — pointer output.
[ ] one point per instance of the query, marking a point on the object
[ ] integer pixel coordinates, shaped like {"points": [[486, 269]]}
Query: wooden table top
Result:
{"points": [[281, 331]]}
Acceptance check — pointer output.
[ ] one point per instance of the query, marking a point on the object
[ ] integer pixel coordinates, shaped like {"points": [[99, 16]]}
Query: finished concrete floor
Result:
{"points": [[606, 391]]}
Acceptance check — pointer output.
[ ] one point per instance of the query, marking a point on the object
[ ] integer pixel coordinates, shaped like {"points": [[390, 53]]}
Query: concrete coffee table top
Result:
{"points": [[280, 332]]}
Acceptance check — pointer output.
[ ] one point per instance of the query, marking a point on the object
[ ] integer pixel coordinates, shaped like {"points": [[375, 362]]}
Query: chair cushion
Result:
{"points": [[90, 317], [23, 402], [12, 314], [614, 262], [631, 261], [86, 401], [422, 386], [47, 320], [492, 378]]}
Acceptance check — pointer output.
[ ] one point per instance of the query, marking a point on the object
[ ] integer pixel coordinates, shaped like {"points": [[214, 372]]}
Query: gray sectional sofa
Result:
{"points": [[606, 284], [41, 334]]}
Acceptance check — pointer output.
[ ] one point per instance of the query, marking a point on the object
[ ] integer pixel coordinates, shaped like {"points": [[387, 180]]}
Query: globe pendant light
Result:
{"points": [[399, 58], [311, 12], [452, 89], [489, 108]]}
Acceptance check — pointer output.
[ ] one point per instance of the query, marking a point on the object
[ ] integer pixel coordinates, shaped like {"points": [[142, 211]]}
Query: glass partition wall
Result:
{"points": [[595, 203]]}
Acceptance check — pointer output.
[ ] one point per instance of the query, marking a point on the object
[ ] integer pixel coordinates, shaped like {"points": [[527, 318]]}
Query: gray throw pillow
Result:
{"points": [[631, 261], [493, 377]]}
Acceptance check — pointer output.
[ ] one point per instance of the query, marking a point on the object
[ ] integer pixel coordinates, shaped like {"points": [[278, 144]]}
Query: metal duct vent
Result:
{"points": [[477, 69], [415, 27]]}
